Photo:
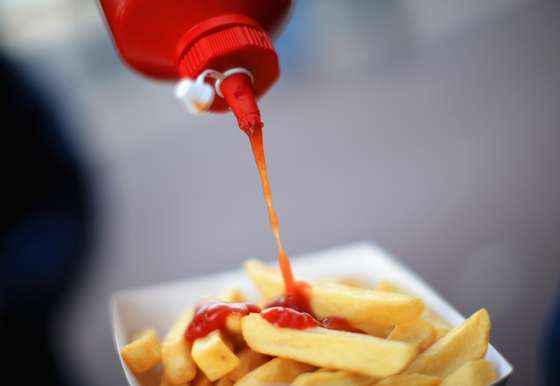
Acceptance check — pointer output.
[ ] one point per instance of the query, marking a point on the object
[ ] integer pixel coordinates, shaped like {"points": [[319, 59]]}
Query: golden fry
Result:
{"points": [[233, 324], [277, 370], [321, 347], [388, 286], [144, 352], [410, 380], [466, 342], [440, 325], [474, 373], [266, 279], [224, 382], [201, 380], [165, 381], [233, 295], [374, 329], [248, 361], [332, 378], [361, 307], [213, 356], [419, 333], [178, 364], [349, 280]]}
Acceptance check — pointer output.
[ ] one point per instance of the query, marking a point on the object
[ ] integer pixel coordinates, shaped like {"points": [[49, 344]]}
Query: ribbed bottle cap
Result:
{"points": [[244, 45]]}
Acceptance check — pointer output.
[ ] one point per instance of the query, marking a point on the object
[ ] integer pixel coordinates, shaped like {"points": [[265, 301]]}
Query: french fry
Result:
{"points": [[357, 305], [233, 295], [466, 342], [440, 325], [374, 329], [349, 280], [233, 321], [144, 352], [406, 343], [201, 380], [419, 333], [410, 380], [230, 295], [474, 373], [266, 279], [233, 324], [362, 306], [248, 360], [333, 349], [178, 364], [224, 382], [388, 286], [277, 370], [165, 381], [213, 356], [233, 328], [332, 378]]}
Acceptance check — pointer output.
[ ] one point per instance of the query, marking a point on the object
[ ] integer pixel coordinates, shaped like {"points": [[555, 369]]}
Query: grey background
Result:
{"points": [[430, 127]]}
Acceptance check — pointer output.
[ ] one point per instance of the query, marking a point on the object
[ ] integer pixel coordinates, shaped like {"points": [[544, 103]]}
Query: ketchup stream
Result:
{"points": [[293, 309], [256, 139], [239, 95]]}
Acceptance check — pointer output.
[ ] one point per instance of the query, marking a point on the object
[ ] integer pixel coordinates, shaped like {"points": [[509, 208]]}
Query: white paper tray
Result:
{"points": [[158, 305]]}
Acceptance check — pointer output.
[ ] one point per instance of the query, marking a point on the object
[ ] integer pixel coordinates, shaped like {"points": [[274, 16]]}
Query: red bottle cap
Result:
{"points": [[226, 42]]}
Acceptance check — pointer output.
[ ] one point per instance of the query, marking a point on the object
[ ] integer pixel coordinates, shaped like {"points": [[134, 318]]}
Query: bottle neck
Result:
{"points": [[238, 93]]}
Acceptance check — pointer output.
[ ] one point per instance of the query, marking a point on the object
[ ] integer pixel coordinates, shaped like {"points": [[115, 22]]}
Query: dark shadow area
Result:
{"points": [[44, 229]]}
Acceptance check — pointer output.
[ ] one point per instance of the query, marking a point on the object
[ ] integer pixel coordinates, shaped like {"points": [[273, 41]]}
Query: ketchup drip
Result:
{"points": [[297, 299], [296, 293], [239, 95], [293, 309], [256, 138], [212, 316], [289, 318]]}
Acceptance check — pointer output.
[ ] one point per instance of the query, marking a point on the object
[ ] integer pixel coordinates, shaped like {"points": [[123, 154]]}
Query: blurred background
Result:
{"points": [[429, 127]]}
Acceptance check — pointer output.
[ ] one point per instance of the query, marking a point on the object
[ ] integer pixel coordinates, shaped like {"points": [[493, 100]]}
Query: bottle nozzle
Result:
{"points": [[238, 92]]}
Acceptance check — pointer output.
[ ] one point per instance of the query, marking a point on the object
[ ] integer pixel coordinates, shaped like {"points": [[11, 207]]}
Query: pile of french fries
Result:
{"points": [[406, 344]]}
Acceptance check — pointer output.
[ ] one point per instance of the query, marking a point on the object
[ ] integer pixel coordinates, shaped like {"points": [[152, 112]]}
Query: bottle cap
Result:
{"points": [[225, 42]]}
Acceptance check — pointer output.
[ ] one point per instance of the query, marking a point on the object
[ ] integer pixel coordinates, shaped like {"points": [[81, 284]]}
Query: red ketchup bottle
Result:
{"points": [[219, 50]]}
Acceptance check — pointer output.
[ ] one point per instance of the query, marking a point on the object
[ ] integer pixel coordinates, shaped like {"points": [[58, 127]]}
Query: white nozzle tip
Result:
{"points": [[197, 97]]}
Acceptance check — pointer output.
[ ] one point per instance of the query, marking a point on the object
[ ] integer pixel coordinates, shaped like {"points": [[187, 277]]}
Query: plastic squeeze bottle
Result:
{"points": [[211, 47]]}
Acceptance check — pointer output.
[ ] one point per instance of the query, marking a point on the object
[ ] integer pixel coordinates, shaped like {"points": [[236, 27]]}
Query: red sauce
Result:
{"points": [[297, 300], [293, 309], [289, 318], [212, 316], [256, 138], [297, 293]]}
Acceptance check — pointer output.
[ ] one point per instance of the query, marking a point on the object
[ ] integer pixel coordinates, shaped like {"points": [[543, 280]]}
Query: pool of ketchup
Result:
{"points": [[296, 299], [291, 310], [289, 318], [212, 316]]}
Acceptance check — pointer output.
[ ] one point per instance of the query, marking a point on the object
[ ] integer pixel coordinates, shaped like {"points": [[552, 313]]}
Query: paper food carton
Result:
{"points": [[158, 306]]}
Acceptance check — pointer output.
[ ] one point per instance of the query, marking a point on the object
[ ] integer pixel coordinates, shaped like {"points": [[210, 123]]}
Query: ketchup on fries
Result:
{"points": [[292, 309]]}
